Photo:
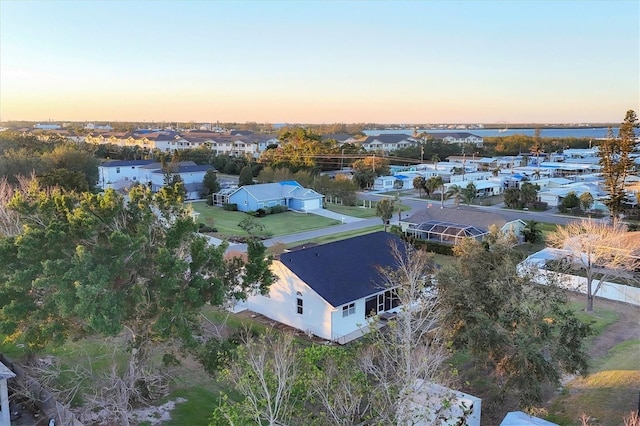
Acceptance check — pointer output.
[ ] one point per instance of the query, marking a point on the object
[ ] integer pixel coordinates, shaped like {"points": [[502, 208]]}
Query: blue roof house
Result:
{"points": [[287, 193], [331, 290]]}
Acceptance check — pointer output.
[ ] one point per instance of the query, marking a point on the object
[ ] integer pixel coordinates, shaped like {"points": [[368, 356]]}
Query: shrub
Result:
{"points": [[217, 353], [206, 228], [540, 206], [233, 207], [431, 246], [260, 213], [209, 200], [279, 209]]}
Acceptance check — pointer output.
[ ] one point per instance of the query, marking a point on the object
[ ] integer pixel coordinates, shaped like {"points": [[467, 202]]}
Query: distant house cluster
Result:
{"points": [[394, 141], [233, 143], [247, 143], [556, 174]]}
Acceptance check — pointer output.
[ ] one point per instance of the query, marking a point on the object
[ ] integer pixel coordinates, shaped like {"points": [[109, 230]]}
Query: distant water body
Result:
{"points": [[579, 132]]}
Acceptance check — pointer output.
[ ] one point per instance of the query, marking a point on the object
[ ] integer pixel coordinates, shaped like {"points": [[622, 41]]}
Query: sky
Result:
{"points": [[320, 61]]}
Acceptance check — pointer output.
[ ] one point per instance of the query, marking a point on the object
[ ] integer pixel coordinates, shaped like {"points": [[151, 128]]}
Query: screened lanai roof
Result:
{"points": [[449, 229]]}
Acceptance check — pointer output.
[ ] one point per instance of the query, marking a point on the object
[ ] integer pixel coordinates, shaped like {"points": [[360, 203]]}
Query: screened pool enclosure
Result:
{"points": [[444, 232]]}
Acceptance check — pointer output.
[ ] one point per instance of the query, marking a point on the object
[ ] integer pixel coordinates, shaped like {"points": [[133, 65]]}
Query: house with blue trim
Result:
{"points": [[332, 290], [287, 193]]}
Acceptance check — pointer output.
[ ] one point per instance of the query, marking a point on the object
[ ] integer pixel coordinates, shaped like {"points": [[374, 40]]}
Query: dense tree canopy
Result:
{"points": [[521, 332], [298, 149], [86, 263], [56, 161]]}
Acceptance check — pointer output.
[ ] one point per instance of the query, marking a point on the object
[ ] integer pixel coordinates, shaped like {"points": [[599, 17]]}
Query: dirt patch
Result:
{"points": [[155, 415], [268, 322], [627, 327], [606, 392]]}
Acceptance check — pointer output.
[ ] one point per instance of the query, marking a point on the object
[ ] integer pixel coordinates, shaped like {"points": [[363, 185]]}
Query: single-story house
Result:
{"points": [[287, 193], [554, 196], [385, 183], [452, 224], [331, 290]]}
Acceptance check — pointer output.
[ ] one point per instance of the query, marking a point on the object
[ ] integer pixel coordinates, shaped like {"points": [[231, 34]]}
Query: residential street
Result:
{"points": [[352, 223]]}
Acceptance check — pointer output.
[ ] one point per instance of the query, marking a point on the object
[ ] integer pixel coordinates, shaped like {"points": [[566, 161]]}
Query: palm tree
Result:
{"points": [[536, 174], [440, 182], [435, 160], [433, 183], [537, 151], [532, 232], [455, 192], [419, 184], [496, 171]]}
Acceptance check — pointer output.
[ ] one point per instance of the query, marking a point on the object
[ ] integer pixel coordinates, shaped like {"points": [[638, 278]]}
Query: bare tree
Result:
{"points": [[264, 373], [334, 379], [602, 250], [407, 355]]}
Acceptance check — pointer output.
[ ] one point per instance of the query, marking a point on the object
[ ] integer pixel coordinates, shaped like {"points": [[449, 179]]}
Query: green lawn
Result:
{"points": [[610, 390], [226, 222], [354, 211], [623, 356], [339, 236], [359, 211], [599, 319]]}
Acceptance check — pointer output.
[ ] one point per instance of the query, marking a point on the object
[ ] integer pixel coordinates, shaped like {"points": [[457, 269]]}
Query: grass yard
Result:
{"points": [[600, 319], [624, 356], [363, 212], [610, 391], [354, 211], [605, 396], [339, 236], [226, 222]]}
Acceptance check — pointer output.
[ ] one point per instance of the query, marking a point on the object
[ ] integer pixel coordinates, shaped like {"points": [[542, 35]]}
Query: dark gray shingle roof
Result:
{"points": [[461, 216], [344, 271], [125, 163]]}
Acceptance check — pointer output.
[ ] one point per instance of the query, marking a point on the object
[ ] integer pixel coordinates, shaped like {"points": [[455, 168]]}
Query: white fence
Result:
{"points": [[608, 290]]}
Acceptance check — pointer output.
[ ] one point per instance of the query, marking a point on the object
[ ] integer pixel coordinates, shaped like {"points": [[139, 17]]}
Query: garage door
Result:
{"points": [[311, 204]]}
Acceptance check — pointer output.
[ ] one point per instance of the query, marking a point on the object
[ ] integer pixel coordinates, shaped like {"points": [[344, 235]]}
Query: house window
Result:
{"points": [[117, 169], [299, 305], [381, 302], [349, 309]]}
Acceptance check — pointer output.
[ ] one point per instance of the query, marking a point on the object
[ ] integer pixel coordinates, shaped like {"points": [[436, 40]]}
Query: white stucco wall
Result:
{"points": [[281, 304], [343, 326], [116, 177]]}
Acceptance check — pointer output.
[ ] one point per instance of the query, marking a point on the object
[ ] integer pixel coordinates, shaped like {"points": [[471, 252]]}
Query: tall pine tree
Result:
{"points": [[615, 161]]}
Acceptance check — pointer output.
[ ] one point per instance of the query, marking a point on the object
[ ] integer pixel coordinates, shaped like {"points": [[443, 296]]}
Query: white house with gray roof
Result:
{"points": [[387, 142], [331, 290], [458, 138]]}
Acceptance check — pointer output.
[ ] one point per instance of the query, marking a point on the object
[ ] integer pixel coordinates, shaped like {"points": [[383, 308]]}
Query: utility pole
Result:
{"points": [[464, 164]]}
